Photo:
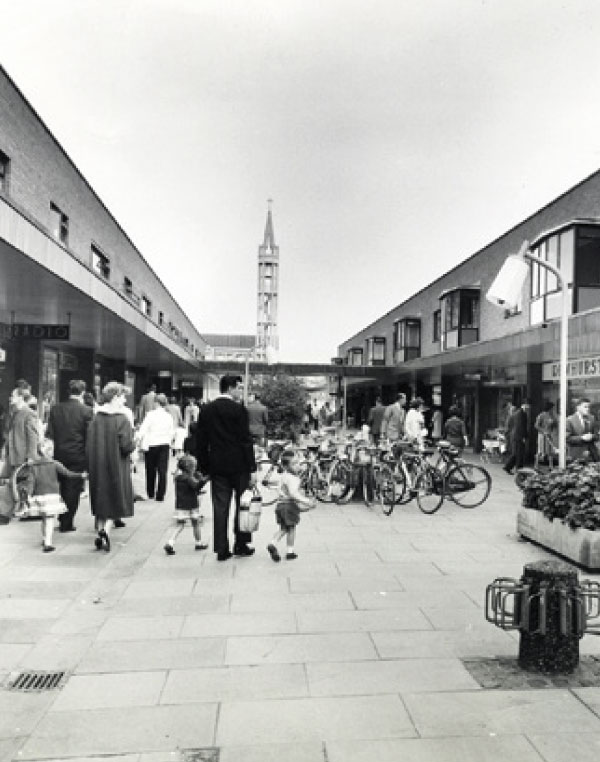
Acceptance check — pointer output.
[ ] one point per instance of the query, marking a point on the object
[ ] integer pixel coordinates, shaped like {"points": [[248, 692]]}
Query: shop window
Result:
{"points": [[459, 318], [100, 263], [59, 224], [407, 339], [4, 172]]}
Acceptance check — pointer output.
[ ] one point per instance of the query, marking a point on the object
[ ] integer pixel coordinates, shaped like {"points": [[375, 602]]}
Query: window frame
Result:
{"points": [[103, 271], [60, 234], [4, 172]]}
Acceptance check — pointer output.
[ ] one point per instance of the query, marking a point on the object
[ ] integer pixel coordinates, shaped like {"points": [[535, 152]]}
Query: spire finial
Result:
{"points": [[269, 233]]}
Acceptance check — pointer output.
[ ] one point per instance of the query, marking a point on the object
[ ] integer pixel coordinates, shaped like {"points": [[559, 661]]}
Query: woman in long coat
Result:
{"points": [[110, 443]]}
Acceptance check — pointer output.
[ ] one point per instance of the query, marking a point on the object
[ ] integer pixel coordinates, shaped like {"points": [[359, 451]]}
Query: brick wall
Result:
{"points": [[41, 172], [582, 201]]}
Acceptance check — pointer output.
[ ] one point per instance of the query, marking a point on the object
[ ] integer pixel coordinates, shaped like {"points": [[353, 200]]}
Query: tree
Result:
{"points": [[285, 397]]}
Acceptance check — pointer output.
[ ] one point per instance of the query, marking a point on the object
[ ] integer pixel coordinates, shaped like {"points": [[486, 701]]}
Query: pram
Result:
{"points": [[493, 446]]}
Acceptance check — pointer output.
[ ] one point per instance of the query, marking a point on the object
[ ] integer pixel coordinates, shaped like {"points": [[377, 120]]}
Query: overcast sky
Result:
{"points": [[396, 138]]}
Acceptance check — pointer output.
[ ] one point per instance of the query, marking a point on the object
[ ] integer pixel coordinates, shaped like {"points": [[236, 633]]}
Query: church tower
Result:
{"points": [[268, 291]]}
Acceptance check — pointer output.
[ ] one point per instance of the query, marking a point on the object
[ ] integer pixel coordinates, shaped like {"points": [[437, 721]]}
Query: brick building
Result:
{"points": [[77, 299], [448, 344]]}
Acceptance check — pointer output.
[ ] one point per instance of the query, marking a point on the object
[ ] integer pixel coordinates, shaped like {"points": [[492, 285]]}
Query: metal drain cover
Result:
{"points": [[210, 754], [34, 682]]}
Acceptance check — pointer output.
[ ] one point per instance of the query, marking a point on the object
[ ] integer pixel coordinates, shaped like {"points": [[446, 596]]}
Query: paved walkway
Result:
{"points": [[351, 653]]}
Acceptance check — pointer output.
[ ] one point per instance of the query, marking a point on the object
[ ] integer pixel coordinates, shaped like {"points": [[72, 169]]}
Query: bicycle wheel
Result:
{"points": [[322, 485], [385, 489], [341, 486], [468, 485], [267, 482], [406, 480], [429, 487], [368, 485]]}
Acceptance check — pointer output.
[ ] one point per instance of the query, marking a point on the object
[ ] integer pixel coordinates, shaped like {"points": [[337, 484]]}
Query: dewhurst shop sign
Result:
{"points": [[587, 367], [47, 331]]}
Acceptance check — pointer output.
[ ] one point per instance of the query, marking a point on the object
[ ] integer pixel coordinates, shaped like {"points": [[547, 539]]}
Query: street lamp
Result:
{"points": [[271, 355], [505, 292]]}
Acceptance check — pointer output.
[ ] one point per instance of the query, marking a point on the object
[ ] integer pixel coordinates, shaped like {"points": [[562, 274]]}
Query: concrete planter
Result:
{"points": [[581, 546]]}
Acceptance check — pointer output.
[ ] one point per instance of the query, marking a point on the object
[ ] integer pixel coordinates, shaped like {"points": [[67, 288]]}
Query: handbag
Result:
{"points": [[250, 510], [7, 504]]}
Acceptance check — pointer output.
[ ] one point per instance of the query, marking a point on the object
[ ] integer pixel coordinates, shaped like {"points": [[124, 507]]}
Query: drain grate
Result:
{"points": [[210, 754], [33, 682]]}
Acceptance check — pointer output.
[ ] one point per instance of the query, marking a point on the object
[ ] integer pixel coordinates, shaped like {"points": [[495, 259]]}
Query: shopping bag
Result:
{"points": [[7, 504], [250, 511]]}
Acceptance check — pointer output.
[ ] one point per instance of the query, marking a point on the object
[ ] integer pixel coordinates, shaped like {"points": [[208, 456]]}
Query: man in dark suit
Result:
{"points": [[581, 433], [520, 432], [68, 427], [258, 417], [225, 452]]}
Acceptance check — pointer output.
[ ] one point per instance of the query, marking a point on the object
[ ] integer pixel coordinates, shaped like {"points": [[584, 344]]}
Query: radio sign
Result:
{"points": [[48, 331]]}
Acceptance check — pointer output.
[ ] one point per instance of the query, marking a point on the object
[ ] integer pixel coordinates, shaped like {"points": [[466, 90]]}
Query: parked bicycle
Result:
{"points": [[430, 482]]}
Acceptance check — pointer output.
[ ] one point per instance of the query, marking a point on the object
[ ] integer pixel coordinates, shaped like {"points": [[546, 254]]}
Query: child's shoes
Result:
{"points": [[201, 546], [169, 550], [48, 548], [291, 556], [273, 552]]}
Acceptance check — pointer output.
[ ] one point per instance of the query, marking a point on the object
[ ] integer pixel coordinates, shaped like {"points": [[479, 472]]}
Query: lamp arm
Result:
{"points": [[542, 262]]}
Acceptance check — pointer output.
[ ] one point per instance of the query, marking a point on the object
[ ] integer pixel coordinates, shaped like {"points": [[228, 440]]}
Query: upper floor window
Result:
{"points": [[407, 339], [161, 318], [4, 172], [59, 224], [355, 356], [100, 262], [459, 318], [146, 306], [375, 350], [437, 325], [563, 251], [127, 286]]}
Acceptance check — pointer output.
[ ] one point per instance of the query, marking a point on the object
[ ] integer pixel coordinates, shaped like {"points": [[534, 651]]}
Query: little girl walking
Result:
{"points": [[188, 485], [39, 494], [290, 503]]}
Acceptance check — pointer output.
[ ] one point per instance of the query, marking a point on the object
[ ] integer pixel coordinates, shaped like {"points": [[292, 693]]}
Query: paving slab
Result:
{"points": [[484, 712], [298, 752], [390, 676], [337, 601], [178, 606], [235, 684], [293, 649], [211, 625], [110, 691], [511, 748], [362, 621], [312, 720], [141, 628], [110, 731], [473, 641], [142, 655], [567, 746]]}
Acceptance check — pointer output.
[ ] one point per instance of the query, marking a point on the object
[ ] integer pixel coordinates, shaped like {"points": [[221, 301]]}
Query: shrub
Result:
{"points": [[285, 397], [571, 494]]}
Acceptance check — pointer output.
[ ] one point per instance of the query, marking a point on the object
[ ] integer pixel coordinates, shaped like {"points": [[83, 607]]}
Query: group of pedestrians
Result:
{"points": [[85, 445]]}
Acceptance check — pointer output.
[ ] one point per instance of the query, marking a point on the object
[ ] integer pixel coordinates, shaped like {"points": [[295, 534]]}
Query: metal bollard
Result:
{"points": [[551, 610]]}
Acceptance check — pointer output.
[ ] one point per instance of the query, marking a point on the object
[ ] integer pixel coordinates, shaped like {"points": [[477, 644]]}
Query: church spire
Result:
{"points": [[269, 241]]}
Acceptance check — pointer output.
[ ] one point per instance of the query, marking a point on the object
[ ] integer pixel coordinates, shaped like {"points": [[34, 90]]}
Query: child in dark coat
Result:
{"points": [[188, 487], [39, 494]]}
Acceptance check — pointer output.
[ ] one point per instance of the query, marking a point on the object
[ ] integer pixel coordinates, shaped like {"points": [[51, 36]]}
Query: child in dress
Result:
{"points": [[39, 494], [188, 485], [290, 503]]}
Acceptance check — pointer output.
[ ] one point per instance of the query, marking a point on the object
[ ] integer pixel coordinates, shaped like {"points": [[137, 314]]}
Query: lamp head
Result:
{"points": [[508, 284]]}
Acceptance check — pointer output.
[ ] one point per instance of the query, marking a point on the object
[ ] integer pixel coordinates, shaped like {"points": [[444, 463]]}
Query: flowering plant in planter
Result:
{"points": [[571, 494]]}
